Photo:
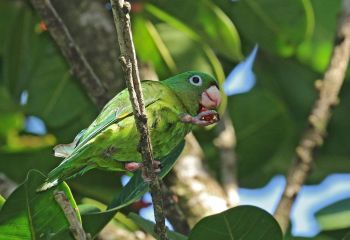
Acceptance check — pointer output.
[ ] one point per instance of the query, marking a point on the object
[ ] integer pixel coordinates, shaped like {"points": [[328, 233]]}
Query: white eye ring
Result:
{"points": [[196, 80]]}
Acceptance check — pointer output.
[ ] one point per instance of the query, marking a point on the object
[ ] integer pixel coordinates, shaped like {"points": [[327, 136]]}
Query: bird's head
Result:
{"points": [[198, 91]]}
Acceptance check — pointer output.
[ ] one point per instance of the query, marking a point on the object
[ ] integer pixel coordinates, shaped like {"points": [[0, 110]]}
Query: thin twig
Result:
{"points": [[226, 142], [80, 66], [74, 224], [320, 115], [129, 63]]}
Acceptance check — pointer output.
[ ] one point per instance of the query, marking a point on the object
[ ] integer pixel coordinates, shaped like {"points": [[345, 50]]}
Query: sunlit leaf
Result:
{"points": [[317, 50], [275, 25], [201, 21], [2, 201], [150, 46], [334, 216]]}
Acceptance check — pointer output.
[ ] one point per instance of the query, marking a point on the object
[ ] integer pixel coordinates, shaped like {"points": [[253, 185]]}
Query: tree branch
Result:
{"points": [[199, 194], [129, 64], [75, 225], [80, 66], [174, 213], [320, 115], [226, 142]]}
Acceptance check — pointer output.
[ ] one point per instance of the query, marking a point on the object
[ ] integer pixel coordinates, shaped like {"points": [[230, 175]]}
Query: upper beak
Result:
{"points": [[211, 98]]}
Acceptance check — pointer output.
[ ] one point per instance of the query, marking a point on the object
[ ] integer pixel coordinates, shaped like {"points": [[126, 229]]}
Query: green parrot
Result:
{"points": [[173, 106]]}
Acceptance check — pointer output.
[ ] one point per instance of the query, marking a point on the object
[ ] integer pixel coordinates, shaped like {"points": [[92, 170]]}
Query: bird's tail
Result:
{"points": [[61, 173]]}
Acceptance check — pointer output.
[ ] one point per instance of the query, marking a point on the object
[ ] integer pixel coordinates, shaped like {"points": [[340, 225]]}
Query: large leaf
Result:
{"points": [[97, 184], [148, 226], [7, 14], [259, 142], [189, 55], [31, 62], [281, 101], [134, 190], [242, 222], [27, 214], [335, 216], [202, 21], [150, 46], [278, 26]]}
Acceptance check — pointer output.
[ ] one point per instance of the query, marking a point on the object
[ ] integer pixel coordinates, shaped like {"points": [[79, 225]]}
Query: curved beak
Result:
{"points": [[211, 98]]}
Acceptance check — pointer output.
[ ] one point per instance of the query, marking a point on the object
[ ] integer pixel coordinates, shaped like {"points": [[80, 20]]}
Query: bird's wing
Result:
{"points": [[114, 111]]}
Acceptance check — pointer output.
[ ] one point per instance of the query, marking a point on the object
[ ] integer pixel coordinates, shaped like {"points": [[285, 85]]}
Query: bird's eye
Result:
{"points": [[196, 80]]}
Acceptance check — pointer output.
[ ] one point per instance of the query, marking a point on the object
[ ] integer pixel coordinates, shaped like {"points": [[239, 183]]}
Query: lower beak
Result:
{"points": [[211, 98]]}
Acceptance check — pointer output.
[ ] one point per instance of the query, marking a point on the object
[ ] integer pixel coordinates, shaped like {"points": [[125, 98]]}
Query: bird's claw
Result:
{"points": [[133, 166], [204, 118]]}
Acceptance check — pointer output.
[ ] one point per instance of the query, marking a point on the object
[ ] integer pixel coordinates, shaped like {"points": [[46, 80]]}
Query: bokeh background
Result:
{"points": [[42, 103]]}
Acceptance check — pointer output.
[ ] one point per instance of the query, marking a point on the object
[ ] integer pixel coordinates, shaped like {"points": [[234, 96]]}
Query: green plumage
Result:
{"points": [[113, 138]]}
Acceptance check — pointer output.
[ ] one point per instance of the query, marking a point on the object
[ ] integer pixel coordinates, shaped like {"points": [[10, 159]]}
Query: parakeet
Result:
{"points": [[173, 106]]}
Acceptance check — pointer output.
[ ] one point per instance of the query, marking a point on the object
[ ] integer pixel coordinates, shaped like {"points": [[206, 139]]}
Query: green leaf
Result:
{"points": [[97, 184], [2, 201], [317, 50], [148, 226], [278, 26], [335, 216], [259, 142], [189, 55], [120, 219], [134, 190], [7, 13], [30, 215], [150, 46], [32, 62], [242, 222], [281, 100], [201, 21]]}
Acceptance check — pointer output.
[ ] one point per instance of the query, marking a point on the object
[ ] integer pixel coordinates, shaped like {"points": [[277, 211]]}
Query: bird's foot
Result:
{"points": [[204, 118], [133, 166]]}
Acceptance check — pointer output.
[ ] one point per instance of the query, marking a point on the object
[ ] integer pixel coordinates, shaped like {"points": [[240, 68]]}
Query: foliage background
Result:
{"points": [[295, 39]]}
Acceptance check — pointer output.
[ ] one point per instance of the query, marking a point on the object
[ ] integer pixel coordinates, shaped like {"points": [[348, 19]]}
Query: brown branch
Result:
{"points": [[80, 66], [199, 194], [128, 59], [75, 225], [113, 231], [226, 142], [174, 213], [320, 115]]}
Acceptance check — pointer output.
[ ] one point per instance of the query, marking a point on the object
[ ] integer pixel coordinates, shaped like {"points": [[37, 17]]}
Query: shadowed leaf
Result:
{"points": [[27, 214], [242, 222]]}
